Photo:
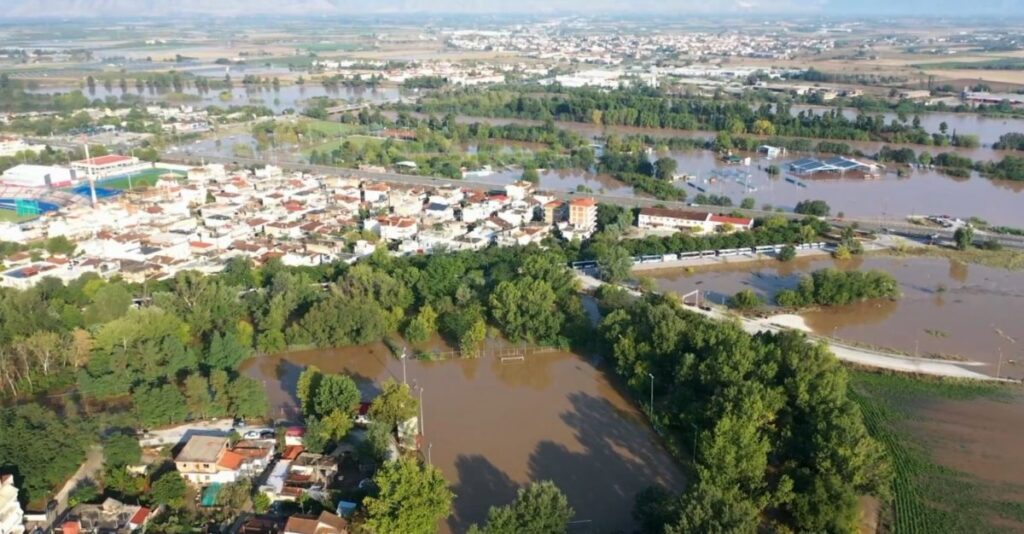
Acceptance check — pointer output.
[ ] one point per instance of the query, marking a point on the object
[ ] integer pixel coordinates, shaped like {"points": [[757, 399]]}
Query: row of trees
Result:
{"points": [[651, 108], [438, 146], [776, 443], [831, 287]]}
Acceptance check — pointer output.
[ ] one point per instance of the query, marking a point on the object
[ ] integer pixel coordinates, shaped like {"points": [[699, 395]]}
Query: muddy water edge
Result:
{"points": [[494, 426]]}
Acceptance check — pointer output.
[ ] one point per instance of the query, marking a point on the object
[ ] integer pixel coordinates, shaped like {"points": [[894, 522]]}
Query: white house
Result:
{"points": [[11, 514], [396, 228]]}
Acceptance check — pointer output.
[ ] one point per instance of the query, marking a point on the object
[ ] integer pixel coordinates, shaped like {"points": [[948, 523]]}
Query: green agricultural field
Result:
{"points": [[991, 64], [145, 178], [357, 140], [929, 494]]}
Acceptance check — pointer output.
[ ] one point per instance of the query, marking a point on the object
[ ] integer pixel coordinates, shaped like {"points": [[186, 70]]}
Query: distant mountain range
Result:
{"points": [[18, 9]]}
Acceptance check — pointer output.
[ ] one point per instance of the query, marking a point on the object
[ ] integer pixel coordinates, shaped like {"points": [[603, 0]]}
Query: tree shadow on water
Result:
{"points": [[621, 456], [480, 485]]}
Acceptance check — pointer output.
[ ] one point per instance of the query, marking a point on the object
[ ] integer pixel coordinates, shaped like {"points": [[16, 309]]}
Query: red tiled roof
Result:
{"points": [[674, 214], [104, 160], [230, 460], [587, 201], [140, 517], [738, 221], [292, 452]]}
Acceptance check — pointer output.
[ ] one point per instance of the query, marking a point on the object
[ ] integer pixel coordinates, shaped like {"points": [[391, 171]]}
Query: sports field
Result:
{"points": [[144, 178]]}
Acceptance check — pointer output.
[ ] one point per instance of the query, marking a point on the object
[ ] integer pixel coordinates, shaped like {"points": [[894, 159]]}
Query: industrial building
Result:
{"points": [[834, 165], [26, 175]]}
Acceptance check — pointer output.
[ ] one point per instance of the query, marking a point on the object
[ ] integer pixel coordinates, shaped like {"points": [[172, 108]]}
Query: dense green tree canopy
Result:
{"points": [[539, 508], [411, 499]]}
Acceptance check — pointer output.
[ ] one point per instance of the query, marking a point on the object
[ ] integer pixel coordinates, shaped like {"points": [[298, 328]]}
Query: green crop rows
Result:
{"points": [[927, 497]]}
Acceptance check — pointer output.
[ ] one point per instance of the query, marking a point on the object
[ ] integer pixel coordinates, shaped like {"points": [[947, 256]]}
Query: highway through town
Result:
{"points": [[874, 224]]}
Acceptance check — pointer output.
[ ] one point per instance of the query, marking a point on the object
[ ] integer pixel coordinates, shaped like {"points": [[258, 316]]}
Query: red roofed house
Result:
{"points": [[737, 223], [206, 460], [111, 515], [325, 523], [654, 218], [105, 166]]}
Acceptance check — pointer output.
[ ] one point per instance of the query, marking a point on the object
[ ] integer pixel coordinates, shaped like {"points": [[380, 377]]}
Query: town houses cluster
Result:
{"points": [[199, 218]]}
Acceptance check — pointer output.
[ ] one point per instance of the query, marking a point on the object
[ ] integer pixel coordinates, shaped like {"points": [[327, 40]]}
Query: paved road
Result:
{"points": [[847, 353], [89, 470], [899, 226]]}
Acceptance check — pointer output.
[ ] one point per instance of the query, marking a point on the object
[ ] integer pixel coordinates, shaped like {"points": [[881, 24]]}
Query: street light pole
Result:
{"points": [[402, 357], [430, 447], [650, 407]]}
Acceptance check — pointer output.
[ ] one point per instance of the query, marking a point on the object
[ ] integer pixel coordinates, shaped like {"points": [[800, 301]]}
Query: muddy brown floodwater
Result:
{"points": [[947, 309], [496, 426]]}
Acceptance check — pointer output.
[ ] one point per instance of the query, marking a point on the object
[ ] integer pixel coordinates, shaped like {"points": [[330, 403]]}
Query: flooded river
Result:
{"points": [[947, 309], [496, 426]]}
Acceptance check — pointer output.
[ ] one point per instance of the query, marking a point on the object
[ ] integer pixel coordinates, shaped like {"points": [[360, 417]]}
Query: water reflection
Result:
{"points": [[496, 426]]}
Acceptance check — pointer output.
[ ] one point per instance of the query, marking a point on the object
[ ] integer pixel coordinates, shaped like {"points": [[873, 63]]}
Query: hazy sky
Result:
{"points": [[115, 8]]}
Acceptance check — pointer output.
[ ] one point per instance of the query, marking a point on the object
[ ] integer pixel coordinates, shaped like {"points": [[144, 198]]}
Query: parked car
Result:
{"points": [[363, 416]]}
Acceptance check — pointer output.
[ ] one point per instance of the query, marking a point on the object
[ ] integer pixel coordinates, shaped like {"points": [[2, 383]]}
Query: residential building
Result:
{"points": [[583, 212], [206, 460], [112, 516], [10, 145], [11, 514], [554, 211], [325, 523]]}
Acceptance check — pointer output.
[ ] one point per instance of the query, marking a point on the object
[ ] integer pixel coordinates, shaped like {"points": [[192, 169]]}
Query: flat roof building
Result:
{"points": [[26, 175]]}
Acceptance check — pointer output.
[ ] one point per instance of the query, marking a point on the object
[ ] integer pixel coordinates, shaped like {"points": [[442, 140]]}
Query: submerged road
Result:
{"points": [[875, 224], [847, 353]]}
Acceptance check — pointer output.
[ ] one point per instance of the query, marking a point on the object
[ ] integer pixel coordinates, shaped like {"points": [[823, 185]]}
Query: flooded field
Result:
{"points": [[948, 308], [983, 153], [285, 97], [988, 129], [922, 192], [496, 426]]}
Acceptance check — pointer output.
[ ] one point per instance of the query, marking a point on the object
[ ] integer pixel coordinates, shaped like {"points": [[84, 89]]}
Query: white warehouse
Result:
{"points": [[25, 175]]}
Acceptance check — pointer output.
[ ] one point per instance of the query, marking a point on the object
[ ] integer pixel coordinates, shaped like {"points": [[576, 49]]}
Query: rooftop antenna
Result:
{"points": [[89, 175]]}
